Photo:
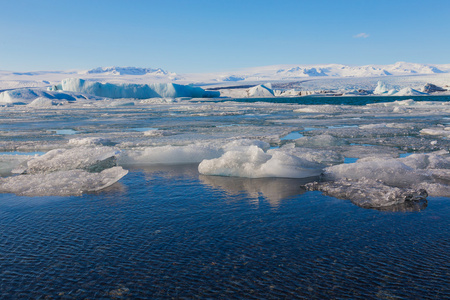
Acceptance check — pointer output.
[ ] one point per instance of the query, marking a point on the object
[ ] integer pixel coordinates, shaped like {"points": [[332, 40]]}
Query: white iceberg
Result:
{"points": [[253, 162], [261, 91]]}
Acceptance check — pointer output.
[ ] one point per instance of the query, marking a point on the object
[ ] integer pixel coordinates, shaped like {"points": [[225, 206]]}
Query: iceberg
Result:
{"points": [[261, 91], [137, 91], [36, 97], [253, 162]]}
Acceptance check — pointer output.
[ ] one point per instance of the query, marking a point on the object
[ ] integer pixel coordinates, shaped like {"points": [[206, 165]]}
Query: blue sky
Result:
{"points": [[205, 36]]}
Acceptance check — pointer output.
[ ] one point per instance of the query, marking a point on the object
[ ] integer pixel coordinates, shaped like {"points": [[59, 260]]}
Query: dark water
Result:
{"points": [[338, 100], [170, 233]]}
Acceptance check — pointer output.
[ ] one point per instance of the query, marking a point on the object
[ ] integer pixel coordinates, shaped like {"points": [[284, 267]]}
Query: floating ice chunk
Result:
{"points": [[26, 96], [412, 171], [381, 89], [326, 108], [61, 183], [245, 143], [253, 162], [11, 162], [325, 157], [260, 91], [368, 193], [390, 171], [409, 92], [42, 102], [137, 91], [436, 160], [387, 125], [320, 141], [359, 151], [392, 92], [92, 159], [90, 141], [436, 131], [157, 132], [194, 153]]}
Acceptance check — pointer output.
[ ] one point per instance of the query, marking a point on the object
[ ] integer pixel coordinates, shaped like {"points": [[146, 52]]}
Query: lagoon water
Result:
{"points": [[166, 231]]}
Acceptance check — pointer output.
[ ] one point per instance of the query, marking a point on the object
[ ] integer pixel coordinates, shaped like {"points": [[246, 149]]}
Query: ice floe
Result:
{"points": [[61, 172], [10, 162], [375, 182], [61, 183], [92, 159]]}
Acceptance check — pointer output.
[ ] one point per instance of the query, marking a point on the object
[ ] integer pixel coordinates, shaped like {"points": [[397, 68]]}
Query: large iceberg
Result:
{"points": [[137, 91]]}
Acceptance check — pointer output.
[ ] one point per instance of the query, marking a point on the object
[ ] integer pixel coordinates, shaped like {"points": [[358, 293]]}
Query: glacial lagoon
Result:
{"points": [[169, 224]]}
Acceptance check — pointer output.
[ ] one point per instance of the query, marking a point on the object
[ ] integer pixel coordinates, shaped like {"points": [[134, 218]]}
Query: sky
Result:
{"points": [[213, 35]]}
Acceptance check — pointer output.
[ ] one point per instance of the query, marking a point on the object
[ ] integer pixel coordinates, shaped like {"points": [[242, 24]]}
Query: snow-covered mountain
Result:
{"points": [[289, 73], [293, 72], [127, 71]]}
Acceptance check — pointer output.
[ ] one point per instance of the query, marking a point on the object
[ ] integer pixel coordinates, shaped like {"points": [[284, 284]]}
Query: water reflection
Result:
{"points": [[272, 189], [407, 206]]}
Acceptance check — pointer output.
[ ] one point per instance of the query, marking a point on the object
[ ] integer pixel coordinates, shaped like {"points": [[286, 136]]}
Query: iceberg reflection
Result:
{"points": [[272, 189]]}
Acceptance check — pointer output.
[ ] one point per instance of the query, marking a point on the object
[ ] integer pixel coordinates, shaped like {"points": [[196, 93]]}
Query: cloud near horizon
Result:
{"points": [[361, 35]]}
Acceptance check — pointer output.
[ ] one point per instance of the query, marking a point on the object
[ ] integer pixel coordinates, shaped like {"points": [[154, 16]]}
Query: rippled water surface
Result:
{"points": [[168, 232]]}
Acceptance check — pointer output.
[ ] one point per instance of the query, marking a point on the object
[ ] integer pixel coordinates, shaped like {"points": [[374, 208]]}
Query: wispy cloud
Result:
{"points": [[361, 35]]}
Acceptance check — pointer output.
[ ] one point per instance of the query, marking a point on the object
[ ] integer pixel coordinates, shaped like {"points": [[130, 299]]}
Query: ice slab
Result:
{"points": [[375, 182], [320, 141], [92, 159], [90, 141], [61, 183], [368, 193], [10, 162]]}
